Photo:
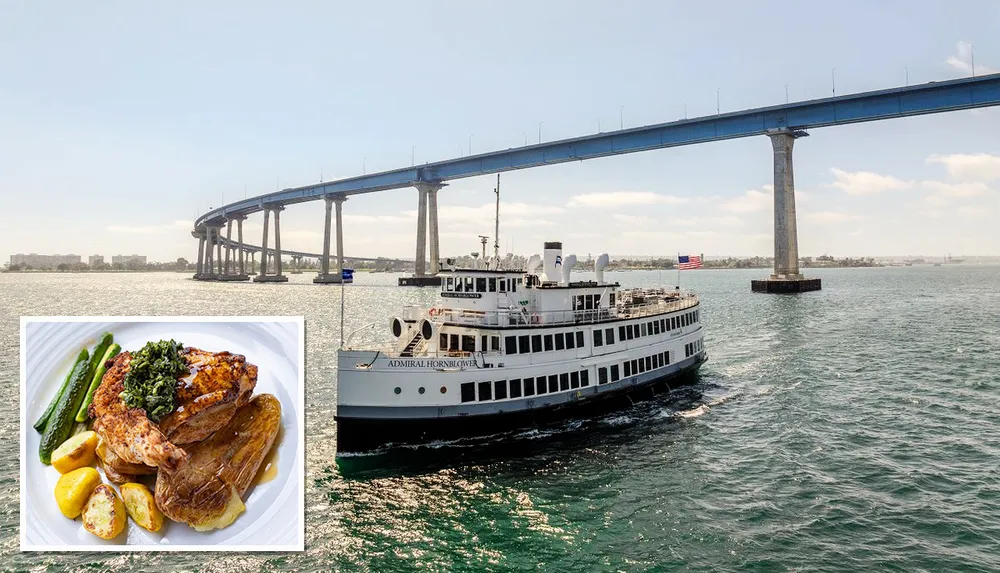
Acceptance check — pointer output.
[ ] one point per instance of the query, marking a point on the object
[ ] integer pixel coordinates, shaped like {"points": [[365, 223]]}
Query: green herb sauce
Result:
{"points": [[151, 382]]}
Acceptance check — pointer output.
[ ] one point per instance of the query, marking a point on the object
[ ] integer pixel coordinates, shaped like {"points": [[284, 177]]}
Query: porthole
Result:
{"points": [[444, 390], [420, 390], [397, 390]]}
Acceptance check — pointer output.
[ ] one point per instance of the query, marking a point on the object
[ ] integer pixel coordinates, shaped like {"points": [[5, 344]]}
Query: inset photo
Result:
{"points": [[162, 433]]}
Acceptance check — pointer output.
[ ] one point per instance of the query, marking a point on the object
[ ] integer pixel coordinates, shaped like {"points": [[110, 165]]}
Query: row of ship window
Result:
{"points": [[525, 343], [516, 388], [648, 328], [591, 301], [481, 284], [692, 348], [503, 389]]}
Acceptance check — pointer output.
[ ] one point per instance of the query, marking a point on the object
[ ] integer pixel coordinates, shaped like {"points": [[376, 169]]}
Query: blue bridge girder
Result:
{"points": [[271, 251], [920, 99]]}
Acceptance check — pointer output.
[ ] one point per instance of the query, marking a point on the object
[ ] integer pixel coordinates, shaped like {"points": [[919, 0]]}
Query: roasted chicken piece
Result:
{"points": [[207, 398], [127, 431], [118, 470], [205, 490], [216, 385]]}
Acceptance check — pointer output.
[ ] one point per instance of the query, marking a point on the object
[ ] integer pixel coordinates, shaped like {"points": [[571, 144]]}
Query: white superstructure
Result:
{"points": [[510, 342]]}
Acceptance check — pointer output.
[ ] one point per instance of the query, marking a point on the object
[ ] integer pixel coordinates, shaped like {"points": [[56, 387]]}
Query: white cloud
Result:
{"points": [[723, 221], [866, 182], [830, 217], [632, 220], [930, 205], [754, 237], [653, 235], [963, 60], [488, 211], [972, 189], [975, 212], [299, 234], [522, 222], [970, 167], [151, 229], [752, 201], [377, 219], [620, 198]]}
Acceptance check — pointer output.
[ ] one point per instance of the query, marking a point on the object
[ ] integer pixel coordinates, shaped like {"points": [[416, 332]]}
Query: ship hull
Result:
{"points": [[362, 430]]}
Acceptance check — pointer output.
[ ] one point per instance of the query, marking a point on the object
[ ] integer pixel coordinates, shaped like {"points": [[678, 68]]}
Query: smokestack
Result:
{"points": [[602, 262], [567, 266], [552, 257], [533, 263]]}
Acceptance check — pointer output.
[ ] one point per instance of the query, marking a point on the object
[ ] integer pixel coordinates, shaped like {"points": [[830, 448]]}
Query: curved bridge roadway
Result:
{"points": [[783, 123]]}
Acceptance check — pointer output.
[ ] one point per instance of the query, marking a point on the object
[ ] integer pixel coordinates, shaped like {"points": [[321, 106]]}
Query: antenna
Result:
{"points": [[483, 239], [496, 233]]}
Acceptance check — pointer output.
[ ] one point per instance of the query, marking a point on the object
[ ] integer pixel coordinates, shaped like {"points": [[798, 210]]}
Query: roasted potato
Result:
{"points": [[76, 452], [74, 488], [140, 506], [234, 507], [203, 490], [104, 515]]}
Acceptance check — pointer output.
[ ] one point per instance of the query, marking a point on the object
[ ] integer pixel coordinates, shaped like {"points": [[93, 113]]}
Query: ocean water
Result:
{"points": [[855, 428]]}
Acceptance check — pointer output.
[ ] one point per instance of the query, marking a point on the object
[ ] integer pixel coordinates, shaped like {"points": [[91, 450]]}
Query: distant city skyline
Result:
{"points": [[124, 123], [40, 260]]}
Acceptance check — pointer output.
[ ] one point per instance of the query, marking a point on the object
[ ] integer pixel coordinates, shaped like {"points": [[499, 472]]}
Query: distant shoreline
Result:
{"points": [[621, 269]]}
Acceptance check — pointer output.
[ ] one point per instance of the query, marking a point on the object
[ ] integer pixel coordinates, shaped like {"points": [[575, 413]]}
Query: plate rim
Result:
{"points": [[299, 462]]}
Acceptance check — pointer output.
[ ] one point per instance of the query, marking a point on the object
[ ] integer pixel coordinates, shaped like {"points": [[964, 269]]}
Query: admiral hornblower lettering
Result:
{"points": [[446, 294], [430, 363]]}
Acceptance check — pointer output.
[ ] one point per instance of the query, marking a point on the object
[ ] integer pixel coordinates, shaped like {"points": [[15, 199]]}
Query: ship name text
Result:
{"points": [[430, 363]]}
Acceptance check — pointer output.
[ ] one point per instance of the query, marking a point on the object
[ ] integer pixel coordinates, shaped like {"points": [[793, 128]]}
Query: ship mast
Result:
{"points": [[496, 232]]}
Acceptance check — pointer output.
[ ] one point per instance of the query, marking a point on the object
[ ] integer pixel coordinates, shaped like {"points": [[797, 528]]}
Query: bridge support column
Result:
{"points": [[208, 270], [201, 257], [242, 253], [420, 261], [786, 277], [277, 277], [231, 270], [340, 239], [432, 227], [218, 250], [325, 276], [263, 248], [427, 194], [229, 245], [325, 263], [277, 240]]}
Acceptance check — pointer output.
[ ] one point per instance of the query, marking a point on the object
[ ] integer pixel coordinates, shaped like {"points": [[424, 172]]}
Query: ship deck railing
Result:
{"points": [[524, 318]]}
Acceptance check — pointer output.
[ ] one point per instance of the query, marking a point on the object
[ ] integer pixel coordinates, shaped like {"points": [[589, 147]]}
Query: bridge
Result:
{"points": [[234, 260], [783, 124]]}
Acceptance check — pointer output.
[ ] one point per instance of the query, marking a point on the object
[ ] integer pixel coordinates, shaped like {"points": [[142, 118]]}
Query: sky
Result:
{"points": [[123, 121]]}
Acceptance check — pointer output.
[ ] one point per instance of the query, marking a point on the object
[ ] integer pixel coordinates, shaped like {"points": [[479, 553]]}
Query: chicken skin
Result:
{"points": [[217, 384], [207, 397], [127, 431]]}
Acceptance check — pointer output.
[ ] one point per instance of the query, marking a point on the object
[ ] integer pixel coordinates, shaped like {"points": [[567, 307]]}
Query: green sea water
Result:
{"points": [[852, 429]]}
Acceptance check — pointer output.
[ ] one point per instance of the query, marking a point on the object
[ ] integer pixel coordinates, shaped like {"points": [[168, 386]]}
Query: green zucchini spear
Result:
{"points": [[60, 423], [95, 355], [40, 424], [95, 381]]}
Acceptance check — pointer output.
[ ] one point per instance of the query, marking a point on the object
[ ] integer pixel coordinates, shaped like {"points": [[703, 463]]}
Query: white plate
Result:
{"points": [[274, 516]]}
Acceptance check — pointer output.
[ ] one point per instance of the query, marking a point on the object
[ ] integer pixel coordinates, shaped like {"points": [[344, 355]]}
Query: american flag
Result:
{"points": [[685, 262]]}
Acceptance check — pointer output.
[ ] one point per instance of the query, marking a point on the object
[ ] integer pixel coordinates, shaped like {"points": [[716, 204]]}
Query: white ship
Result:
{"points": [[508, 349]]}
